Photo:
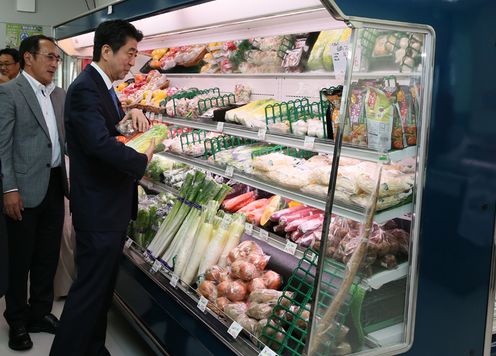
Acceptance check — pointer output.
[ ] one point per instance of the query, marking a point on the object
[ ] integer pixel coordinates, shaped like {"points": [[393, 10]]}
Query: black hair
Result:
{"points": [[31, 44], [14, 53], [114, 33]]}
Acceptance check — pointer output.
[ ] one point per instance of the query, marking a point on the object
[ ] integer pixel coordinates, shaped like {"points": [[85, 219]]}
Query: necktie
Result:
{"points": [[114, 99]]}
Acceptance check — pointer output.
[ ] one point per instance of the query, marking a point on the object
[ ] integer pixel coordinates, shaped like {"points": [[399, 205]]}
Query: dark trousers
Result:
{"points": [[4, 257], [83, 323], [33, 247]]}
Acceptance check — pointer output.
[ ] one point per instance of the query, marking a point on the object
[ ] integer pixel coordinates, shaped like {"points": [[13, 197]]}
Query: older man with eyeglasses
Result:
{"points": [[32, 142], [9, 64]]}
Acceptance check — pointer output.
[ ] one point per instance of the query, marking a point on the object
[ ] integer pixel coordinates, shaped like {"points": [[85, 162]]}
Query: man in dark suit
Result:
{"points": [[3, 245], [32, 152], [103, 178]]}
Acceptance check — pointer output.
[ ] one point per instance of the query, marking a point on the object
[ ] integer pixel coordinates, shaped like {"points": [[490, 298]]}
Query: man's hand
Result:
{"points": [[139, 120], [13, 205], [149, 151]]}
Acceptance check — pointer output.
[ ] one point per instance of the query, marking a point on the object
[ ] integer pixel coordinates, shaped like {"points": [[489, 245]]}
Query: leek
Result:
{"points": [[216, 246], [236, 230]]}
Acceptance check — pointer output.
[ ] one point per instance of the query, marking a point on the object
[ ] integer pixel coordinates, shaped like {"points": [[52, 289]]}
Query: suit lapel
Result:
{"points": [[108, 102], [28, 93]]}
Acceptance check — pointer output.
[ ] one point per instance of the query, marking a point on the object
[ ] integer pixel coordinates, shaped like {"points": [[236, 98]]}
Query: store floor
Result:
{"points": [[121, 338]]}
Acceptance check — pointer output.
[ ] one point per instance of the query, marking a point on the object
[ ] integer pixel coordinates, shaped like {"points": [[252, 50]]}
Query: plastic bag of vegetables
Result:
{"points": [[141, 143]]}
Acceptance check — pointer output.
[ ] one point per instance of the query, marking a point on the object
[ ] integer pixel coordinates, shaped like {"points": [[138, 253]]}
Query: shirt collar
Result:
{"points": [[104, 76], [37, 86]]}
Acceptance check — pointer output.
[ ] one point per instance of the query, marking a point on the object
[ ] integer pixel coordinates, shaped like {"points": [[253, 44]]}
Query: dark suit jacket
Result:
{"points": [[104, 172], [3, 244]]}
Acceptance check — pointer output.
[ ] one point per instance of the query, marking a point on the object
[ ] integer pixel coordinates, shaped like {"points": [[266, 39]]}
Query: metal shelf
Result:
{"points": [[321, 146], [157, 186], [317, 202]]}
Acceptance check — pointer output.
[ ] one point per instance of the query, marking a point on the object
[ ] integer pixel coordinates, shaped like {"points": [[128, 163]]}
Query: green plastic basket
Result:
{"points": [[293, 152], [286, 329], [217, 101], [192, 137], [221, 143]]}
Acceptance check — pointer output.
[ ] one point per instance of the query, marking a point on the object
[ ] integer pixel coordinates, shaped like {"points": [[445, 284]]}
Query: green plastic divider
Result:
{"points": [[217, 101], [221, 143], [192, 137]]}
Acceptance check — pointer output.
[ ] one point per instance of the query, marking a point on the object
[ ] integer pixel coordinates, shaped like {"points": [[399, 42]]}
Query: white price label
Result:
{"points": [[146, 257], [129, 242], [339, 53], [161, 117], [229, 171], [264, 234], [202, 304], [220, 126], [261, 133], [309, 142], [174, 280], [152, 116], [267, 351], [156, 266], [234, 329], [311, 256], [248, 228], [110, 9], [290, 247]]}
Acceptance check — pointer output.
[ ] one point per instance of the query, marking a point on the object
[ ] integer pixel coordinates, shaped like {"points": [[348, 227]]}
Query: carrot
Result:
{"points": [[230, 203], [257, 204], [241, 205]]}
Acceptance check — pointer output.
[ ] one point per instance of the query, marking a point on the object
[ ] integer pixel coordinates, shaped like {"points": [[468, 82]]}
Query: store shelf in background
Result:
{"points": [[256, 182], [157, 186], [321, 146], [319, 75]]}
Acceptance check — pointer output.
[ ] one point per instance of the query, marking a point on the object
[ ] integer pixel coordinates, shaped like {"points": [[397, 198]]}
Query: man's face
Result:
{"points": [[120, 62], [43, 64], [8, 66]]}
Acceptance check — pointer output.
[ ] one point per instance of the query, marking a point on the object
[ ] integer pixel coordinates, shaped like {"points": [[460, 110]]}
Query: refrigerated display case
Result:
{"points": [[366, 77]]}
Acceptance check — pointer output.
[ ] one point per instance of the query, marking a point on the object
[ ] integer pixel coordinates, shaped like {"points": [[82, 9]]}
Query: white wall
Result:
{"points": [[48, 13]]}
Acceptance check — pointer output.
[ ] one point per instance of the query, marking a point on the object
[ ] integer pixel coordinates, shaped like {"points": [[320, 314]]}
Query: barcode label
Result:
{"points": [[156, 266], [264, 234], [202, 304], [248, 228], [129, 242], [290, 247], [267, 351], [220, 126], [234, 329], [261, 133], [229, 171], [174, 280], [309, 142]]}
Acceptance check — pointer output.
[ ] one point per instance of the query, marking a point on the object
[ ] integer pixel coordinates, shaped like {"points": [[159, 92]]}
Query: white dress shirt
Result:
{"points": [[43, 95], [104, 76]]}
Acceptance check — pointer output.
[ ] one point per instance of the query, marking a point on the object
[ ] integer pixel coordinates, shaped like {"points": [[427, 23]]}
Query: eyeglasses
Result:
{"points": [[6, 64], [51, 57]]}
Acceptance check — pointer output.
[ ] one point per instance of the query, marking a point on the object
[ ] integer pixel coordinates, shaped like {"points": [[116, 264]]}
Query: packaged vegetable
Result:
{"points": [[221, 302], [215, 274], [208, 290], [259, 310], [235, 310], [256, 283], [272, 280], [380, 113], [236, 292], [249, 324], [243, 250], [223, 287], [265, 296], [259, 260]]}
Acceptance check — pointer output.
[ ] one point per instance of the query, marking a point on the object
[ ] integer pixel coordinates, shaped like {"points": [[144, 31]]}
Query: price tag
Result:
{"points": [[311, 256], [267, 351], [261, 133], [174, 280], [234, 329], [202, 304], [146, 257], [110, 9], [161, 117], [229, 171], [220, 126], [248, 228], [309, 142], [339, 53], [129, 242], [156, 266], [152, 116], [264, 234], [290, 247]]}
